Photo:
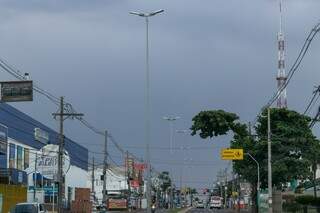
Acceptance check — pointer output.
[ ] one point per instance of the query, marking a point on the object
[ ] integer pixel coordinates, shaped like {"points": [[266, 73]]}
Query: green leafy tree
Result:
{"points": [[291, 138], [165, 181]]}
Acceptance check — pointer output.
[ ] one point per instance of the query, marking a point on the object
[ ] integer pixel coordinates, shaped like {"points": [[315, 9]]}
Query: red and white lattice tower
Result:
{"points": [[281, 77]]}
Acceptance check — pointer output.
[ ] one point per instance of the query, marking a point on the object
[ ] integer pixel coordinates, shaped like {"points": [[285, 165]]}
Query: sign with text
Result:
{"points": [[41, 135], [140, 166], [15, 91], [47, 161], [232, 154]]}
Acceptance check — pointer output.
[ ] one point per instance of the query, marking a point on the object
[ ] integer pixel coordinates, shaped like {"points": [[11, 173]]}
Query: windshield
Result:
{"points": [[26, 208]]}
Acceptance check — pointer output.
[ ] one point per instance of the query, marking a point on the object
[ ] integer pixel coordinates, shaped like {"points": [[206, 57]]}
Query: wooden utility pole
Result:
{"points": [[92, 181], [105, 165], [63, 116]]}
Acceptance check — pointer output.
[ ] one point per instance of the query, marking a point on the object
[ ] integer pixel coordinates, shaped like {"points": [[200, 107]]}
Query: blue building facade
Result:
{"points": [[28, 131]]}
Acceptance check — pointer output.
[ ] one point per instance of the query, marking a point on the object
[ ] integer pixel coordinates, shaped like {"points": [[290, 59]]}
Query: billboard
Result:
{"points": [[3, 139], [47, 161], [15, 91]]}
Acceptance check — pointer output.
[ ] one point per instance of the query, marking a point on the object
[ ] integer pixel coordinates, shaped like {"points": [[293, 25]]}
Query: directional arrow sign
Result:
{"points": [[232, 154]]}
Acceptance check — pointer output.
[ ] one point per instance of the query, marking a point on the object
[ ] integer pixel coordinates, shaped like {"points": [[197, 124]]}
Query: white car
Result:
{"points": [[215, 202], [28, 208], [200, 204]]}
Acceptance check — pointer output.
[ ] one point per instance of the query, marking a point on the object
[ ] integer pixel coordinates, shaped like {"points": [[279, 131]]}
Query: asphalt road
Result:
{"points": [[195, 210]]}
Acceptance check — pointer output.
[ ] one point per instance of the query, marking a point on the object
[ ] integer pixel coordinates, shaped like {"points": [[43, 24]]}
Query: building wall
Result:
{"points": [[115, 182], [21, 127], [11, 195]]}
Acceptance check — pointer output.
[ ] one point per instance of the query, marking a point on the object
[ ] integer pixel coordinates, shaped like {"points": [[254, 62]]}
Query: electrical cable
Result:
{"points": [[294, 67]]}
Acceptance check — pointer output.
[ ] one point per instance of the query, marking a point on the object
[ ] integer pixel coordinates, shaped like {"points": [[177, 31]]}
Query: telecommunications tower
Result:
{"points": [[281, 77]]}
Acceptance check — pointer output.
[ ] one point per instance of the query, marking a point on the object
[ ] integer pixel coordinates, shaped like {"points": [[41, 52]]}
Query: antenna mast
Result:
{"points": [[281, 77]]}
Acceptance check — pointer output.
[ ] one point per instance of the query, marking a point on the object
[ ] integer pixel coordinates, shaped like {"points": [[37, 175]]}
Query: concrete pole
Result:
{"points": [[104, 190], [269, 165]]}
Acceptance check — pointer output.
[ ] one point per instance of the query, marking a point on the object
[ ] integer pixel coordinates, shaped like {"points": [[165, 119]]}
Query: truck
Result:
{"points": [[215, 202], [117, 202]]}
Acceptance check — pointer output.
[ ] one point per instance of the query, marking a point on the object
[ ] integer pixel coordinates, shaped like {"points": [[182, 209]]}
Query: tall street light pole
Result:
{"points": [[147, 104], [171, 119], [269, 164]]}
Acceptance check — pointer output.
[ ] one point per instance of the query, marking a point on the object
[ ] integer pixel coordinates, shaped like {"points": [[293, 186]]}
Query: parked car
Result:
{"points": [[28, 208], [215, 202]]}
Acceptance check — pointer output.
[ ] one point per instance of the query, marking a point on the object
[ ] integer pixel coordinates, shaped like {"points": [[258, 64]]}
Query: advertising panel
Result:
{"points": [[14, 91], [47, 161]]}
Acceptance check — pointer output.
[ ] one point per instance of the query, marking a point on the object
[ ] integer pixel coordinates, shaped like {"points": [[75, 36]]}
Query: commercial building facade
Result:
{"points": [[22, 139]]}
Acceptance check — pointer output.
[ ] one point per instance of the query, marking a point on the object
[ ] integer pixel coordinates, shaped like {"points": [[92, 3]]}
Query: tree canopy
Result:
{"points": [[291, 138]]}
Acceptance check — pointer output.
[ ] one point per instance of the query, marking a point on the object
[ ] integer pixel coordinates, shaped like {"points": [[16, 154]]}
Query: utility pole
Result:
{"points": [[269, 164], [35, 178], [105, 165], [92, 181], [225, 187], [128, 179], [62, 116]]}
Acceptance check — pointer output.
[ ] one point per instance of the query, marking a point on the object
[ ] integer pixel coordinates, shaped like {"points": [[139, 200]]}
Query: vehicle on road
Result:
{"points": [[215, 202], [200, 204], [28, 208]]}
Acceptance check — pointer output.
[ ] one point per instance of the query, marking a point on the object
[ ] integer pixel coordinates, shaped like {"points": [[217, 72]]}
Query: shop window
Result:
{"points": [[12, 155], [19, 157], [26, 158]]}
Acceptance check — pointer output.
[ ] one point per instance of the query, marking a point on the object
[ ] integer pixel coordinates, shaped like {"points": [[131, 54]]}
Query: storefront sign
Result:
{"points": [[41, 135], [47, 161], [3, 139], [15, 91], [140, 166]]}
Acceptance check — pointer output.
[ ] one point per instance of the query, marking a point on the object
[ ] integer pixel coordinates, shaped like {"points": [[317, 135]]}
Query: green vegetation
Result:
{"points": [[294, 147]]}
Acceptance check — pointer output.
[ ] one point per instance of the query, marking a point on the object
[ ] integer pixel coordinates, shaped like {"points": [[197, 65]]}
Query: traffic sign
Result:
{"points": [[232, 154]]}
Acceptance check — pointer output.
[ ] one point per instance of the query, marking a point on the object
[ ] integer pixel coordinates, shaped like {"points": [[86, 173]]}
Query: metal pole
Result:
{"points": [[147, 121], [35, 179], [60, 159], [258, 168], [104, 191], [53, 188], [269, 165], [225, 188]]}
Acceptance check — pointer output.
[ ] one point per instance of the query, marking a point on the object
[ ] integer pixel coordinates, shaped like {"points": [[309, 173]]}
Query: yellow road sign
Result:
{"points": [[232, 154]]}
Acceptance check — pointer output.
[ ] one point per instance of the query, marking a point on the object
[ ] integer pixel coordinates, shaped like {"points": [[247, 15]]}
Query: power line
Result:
{"points": [[294, 67], [68, 107], [313, 100]]}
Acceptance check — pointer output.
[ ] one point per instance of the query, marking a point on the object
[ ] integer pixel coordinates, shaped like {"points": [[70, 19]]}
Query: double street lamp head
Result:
{"points": [[169, 118], [146, 14]]}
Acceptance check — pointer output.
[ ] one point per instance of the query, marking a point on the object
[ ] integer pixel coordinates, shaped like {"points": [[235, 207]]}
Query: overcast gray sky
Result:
{"points": [[206, 54]]}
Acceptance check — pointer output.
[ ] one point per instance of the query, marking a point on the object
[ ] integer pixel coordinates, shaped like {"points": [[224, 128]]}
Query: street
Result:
{"points": [[195, 210]]}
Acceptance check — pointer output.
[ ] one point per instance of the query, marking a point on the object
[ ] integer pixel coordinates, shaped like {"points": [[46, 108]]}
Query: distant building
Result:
{"points": [[116, 181]]}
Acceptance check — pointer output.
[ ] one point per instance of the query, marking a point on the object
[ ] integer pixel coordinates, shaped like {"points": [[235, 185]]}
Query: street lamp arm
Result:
{"points": [[156, 12], [258, 169], [138, 14]]}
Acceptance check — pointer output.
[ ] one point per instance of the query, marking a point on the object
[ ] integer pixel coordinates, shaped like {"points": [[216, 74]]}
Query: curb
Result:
{"points": [[185, 210]]}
